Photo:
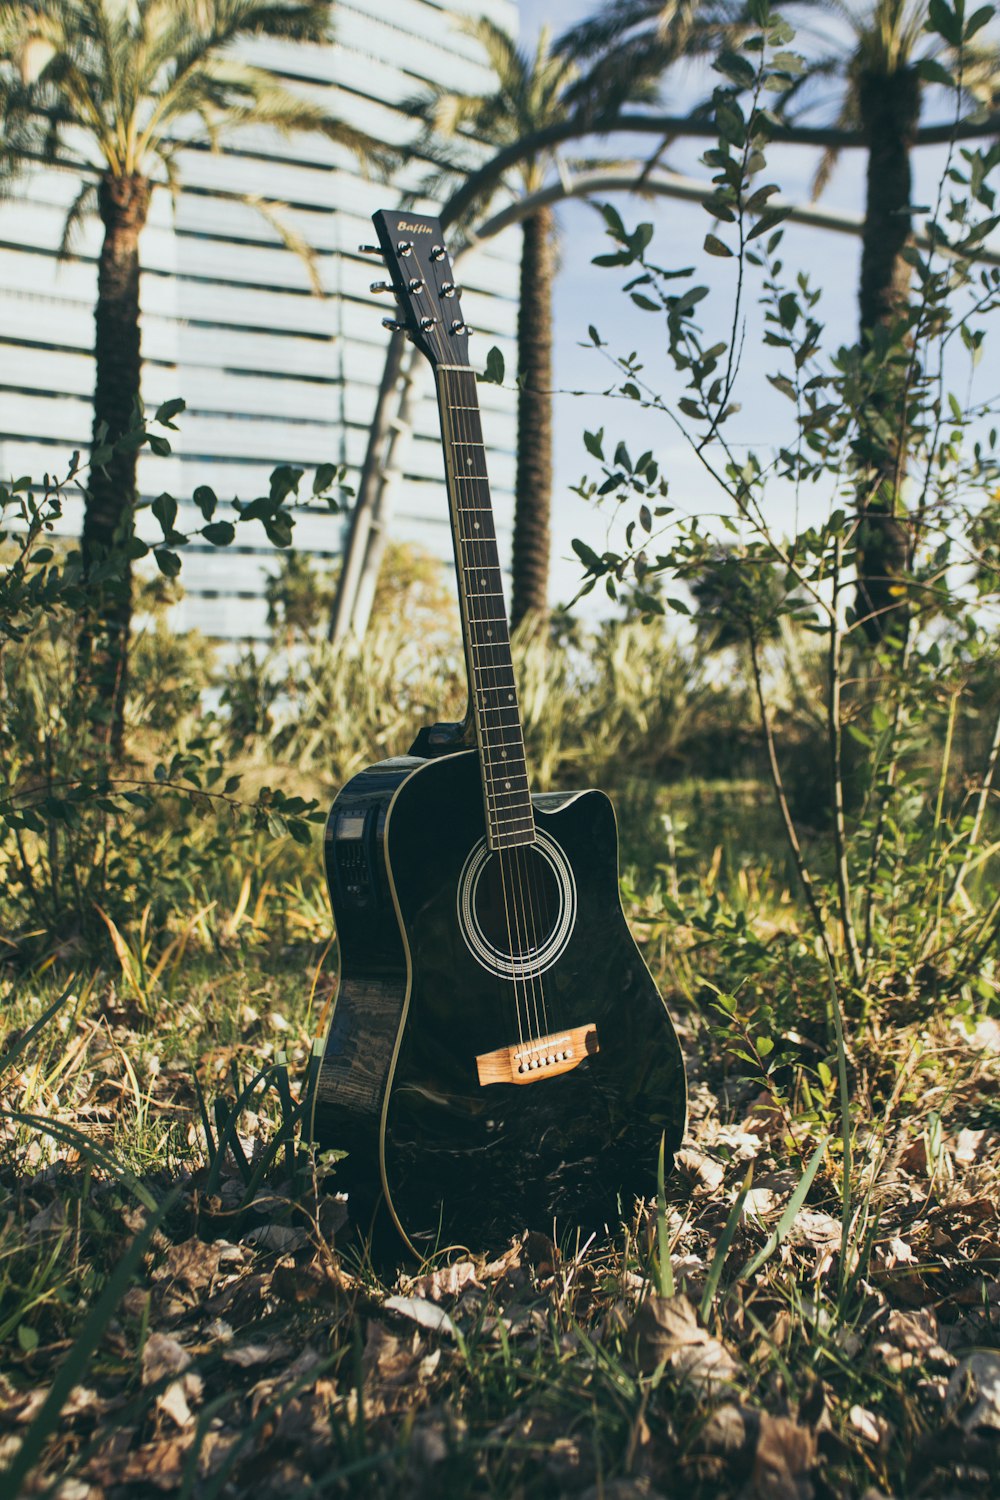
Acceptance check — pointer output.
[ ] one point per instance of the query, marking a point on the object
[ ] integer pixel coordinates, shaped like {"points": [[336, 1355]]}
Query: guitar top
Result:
{"points": [[498, 1056]]}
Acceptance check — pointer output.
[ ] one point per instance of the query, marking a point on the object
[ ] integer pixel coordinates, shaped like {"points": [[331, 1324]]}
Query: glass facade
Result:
{"points": [[270, 372]]}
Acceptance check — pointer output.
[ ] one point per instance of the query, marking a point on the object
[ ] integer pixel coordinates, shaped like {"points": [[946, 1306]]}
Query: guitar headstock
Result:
{"points": [[423, 283]]}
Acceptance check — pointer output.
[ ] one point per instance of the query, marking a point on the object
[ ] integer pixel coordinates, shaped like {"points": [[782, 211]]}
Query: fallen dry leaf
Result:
{"points": [[974, 1391], [785, 1455], [246, 1356], [665, 1330], [418, 1310], [162, 1356], [912, 1339], [870, 1426], [706, 1174], [448, 1281]]}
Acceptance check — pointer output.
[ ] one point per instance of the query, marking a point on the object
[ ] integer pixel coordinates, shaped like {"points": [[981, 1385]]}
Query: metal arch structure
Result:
{"points": [[830, 138], [391, 425]]}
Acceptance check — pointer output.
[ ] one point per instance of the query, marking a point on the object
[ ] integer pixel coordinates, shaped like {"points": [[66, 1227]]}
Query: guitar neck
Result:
{"points": [[492, 690]]}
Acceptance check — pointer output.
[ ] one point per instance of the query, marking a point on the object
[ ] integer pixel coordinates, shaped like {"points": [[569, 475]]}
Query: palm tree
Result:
{"points": [[881, 60], [531, 92], [641, 39], [114, 91]]}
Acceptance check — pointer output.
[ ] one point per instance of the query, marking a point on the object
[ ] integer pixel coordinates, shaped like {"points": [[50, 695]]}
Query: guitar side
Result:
{"points": [[350, 1089]]}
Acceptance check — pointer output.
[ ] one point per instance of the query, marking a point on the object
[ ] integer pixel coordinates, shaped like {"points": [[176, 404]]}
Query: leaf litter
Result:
{"points": [[258, 1352]]}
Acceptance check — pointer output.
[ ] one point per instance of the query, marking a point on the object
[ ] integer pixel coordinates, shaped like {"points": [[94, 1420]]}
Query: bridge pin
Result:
{"points": [[550, 1059]]}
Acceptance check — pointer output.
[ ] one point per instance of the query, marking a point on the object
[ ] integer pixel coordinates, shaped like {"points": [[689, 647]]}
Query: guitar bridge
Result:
{"points": [[545, 1057]]}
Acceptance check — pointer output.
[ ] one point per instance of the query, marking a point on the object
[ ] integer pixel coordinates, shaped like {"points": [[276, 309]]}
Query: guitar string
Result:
{"points": [[522, 857], [506, 857], [454, 421]]}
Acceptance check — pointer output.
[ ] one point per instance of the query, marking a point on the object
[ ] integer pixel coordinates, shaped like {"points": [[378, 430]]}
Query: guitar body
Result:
{"points": [[425, 943]]}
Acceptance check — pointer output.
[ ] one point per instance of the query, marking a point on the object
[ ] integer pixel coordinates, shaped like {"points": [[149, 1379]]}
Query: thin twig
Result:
{"points": [[837, 776], [812, 901], [981, 805]]}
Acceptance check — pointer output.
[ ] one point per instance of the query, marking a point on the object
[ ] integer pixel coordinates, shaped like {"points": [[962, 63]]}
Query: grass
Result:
{"points": [[180, 1310]]}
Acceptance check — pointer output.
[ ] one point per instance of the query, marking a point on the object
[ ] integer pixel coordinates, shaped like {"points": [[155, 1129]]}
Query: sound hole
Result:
{"points": [[517, 907], [518, 901]]}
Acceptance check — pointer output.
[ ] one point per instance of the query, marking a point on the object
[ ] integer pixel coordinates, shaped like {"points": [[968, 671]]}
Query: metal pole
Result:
{"points": [[368, 497]]}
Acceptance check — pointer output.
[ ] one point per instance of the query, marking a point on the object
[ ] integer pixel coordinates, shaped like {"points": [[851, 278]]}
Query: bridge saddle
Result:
{"points": [[543, 1057]]}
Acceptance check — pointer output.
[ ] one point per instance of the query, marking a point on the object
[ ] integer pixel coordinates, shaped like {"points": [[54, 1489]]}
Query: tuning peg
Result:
{"points": [[458, 327], [370, 250], [426, 323], [449, 289], [415, 284], [438, 252], [380, 286], [392, 325]]}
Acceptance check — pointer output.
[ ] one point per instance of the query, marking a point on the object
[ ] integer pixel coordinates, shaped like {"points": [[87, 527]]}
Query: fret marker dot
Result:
{"points": [[503, 754], [482, 583], [475, 525], [507, 785], [489, 633], [510, 697]]}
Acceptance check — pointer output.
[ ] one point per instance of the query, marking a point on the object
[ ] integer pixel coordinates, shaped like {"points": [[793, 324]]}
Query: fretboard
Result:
{"points": [[493, 693]]}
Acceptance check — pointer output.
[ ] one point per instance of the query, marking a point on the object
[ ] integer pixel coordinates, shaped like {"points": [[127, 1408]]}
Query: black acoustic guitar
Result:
{"points": [[498, 1056]]}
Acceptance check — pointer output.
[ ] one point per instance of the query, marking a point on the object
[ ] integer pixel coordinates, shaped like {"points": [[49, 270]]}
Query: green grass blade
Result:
{"points": [[70, 1136], [75, 1364], [227, 1134], [788, 1218], [10, 1057], [845, 1133], [664, 1263], [722, 1248]]}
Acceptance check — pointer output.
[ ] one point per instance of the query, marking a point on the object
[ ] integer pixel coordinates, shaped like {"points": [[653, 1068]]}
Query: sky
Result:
{"points": [[587, 294]]}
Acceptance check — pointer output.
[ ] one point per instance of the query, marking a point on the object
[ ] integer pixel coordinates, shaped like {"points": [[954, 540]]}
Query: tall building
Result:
{"points": [[271, 372]]}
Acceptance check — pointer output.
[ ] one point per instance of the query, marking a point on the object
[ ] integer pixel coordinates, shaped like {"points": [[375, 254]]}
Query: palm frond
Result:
{"points": [[273, 215], [83, 205]]}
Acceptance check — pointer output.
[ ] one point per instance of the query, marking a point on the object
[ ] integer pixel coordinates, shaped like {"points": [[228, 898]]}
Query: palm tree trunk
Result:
{"points": [[110, 504], [533, 495], [890, 113]]}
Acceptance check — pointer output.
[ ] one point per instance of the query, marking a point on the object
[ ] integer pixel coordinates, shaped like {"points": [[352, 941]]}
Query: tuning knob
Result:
{"points": [[426, 323], [438, 252], [380, 286], [392, 325], [370, 250], [458, 327], [449, 289]]}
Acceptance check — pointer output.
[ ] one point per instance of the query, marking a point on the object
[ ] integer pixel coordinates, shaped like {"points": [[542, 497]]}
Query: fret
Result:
{"points": [[508, 802], [516, 839], [507, 766], [504, 771], [494, 721]]}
